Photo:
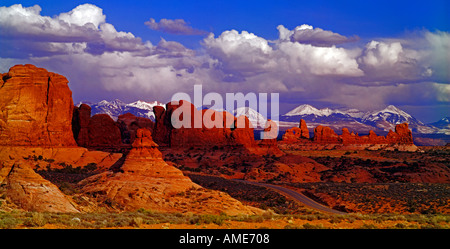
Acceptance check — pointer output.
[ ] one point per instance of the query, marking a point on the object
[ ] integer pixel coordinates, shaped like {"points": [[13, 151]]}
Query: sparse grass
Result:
{"points": [[141, 217]]}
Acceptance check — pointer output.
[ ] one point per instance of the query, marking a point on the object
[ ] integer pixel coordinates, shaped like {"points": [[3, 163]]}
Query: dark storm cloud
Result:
{"points": [[176, 26]]}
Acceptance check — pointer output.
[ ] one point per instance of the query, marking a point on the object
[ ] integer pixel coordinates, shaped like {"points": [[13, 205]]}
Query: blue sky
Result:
{"points": [[368, 19], [354, 54]]}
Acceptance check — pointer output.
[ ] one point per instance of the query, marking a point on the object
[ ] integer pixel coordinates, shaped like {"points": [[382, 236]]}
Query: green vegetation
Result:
{"points": [[20, 219]]}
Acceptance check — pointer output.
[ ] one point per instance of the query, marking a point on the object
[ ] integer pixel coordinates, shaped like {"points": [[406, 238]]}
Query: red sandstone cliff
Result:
{"points": [[35, 108]]}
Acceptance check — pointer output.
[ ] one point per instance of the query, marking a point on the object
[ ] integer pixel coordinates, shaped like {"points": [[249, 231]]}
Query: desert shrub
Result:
{"points": [[137, 221], [400, 226], [7, 221], [36, 220], [368, 226], [335, 219], [289, 226], [310, 226], [207, 219]]}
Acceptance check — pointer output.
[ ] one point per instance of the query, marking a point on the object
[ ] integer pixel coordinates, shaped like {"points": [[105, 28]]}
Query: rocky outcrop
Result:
{"points": [[304, 132], [325, 135], [297, 133], [99, 131], [402, 135], [145, 180], [35, 108], [326, 138], [217, 129], [103, 131], [30, 191], [129, 124], [268, 143]]}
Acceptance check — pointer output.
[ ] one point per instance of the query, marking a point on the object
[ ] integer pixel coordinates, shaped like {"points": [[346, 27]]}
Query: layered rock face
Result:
{"points": [[218, 128], [30, 191], [145, 180], [35, 108]]}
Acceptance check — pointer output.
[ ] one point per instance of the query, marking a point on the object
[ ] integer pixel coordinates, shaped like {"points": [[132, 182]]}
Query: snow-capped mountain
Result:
{"points": [[256, 118], [391, 114], [388, 117], [312, 114], [379, 120], [443, 125], [117, 107]]}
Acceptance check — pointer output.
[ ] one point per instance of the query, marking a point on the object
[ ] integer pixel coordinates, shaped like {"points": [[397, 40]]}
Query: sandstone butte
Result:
{"points": [[35, 108], [228, 130], [145, 180]]}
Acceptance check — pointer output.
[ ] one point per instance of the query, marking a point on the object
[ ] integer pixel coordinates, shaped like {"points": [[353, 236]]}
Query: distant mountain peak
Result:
{"points": [[256, 118], [393, 109], [304, 109], [384, 119]]}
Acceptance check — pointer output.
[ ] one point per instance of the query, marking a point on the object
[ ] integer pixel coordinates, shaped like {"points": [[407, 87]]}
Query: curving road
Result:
{"points": [[297, 196]]}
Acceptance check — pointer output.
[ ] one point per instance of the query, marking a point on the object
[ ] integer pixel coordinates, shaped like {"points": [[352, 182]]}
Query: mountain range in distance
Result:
{"points": [[380, 121]]}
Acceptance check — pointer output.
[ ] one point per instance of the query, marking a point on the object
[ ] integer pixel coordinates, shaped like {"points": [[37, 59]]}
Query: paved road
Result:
{"points": [[297, 196]]}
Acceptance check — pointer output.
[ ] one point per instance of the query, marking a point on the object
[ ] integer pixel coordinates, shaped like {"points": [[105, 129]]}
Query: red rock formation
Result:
{"points": [[147, 181], [404, 134], [103, 131], [194, 128], [129, 124], [243, 134], [297, 133], [304, 132], [30, 191], [269, 139], [163, 126], [326, 135], [80, 124], [35, 108]]}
